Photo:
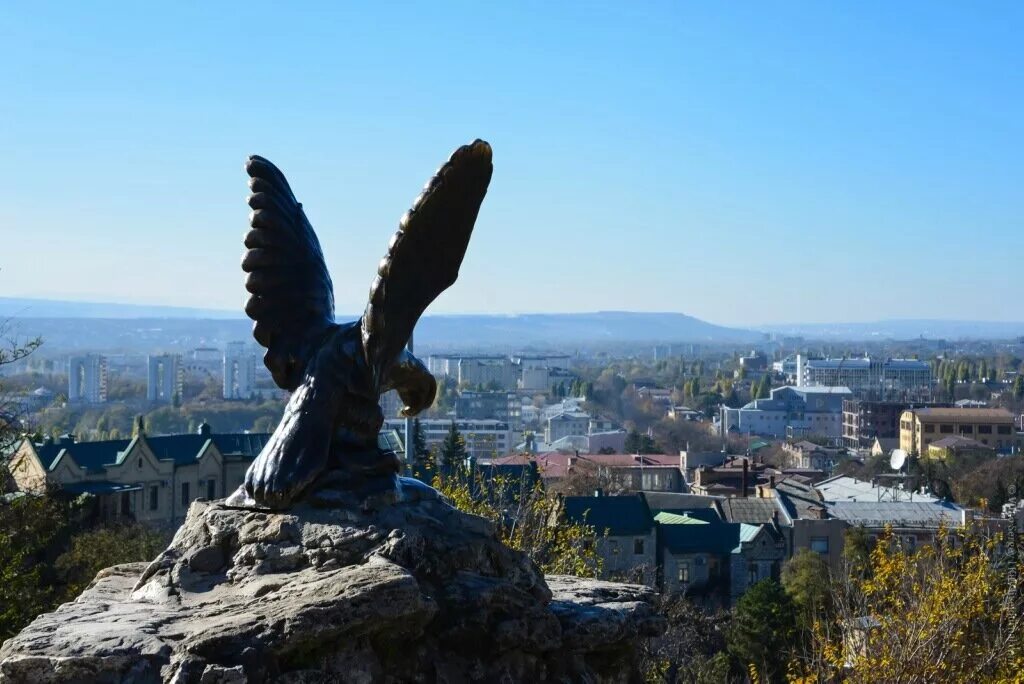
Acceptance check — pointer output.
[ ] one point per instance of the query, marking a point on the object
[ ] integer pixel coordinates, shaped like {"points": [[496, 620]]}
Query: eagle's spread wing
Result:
{"points": [[292, 300], [424, 256]]}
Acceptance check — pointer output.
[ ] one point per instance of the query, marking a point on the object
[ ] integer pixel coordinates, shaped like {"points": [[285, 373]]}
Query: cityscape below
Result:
{"points": [[786, 438]]}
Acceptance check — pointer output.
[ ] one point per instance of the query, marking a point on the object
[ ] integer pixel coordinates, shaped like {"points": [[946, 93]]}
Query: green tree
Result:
{"points": [[94, 550], [419, 442], [10, 425], [763, 632], [632, 445], [856, 550], [637, 443], [453, 449], [805, 577], [526, 519], [30, 528]]}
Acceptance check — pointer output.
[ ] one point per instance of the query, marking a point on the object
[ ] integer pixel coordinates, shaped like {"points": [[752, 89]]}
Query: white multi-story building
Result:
{"points": [[535, 379], [239, 371], [475, 370], [483, 438], [525, 361], [495, 372], [87, 379], [888, 378], [565, 425], [164, 377]]}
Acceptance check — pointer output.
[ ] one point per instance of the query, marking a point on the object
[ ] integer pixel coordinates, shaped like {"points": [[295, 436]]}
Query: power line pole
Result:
{"points": [[409, 441]]}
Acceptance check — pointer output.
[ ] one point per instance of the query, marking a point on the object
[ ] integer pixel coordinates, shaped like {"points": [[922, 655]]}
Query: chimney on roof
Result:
{"points": [[745, 468], [771, 481], [205, 429]]}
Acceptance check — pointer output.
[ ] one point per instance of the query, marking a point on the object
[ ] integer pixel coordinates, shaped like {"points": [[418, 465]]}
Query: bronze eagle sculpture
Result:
{"points": [[336, 372]]}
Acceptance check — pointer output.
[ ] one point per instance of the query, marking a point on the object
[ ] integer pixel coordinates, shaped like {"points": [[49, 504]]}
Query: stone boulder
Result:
{"points": [[410, 592]]}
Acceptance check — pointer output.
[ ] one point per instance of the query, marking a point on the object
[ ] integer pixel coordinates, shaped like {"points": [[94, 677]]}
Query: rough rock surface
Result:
{"points": [[415, 592]]}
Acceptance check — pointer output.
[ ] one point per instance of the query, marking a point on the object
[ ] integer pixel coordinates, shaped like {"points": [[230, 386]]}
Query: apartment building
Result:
{"points": [[991, 427], [484, 438], [87, 379]]}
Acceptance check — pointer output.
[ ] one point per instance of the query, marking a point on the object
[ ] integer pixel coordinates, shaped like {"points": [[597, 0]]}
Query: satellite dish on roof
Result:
{"points": [[897, 459]]}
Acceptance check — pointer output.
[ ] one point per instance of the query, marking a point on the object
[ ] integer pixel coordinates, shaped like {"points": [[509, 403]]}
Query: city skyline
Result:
{"points": [[743, 166]]}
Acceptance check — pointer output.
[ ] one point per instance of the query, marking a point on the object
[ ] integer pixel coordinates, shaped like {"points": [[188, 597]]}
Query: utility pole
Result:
{"points": [[409, 441]]}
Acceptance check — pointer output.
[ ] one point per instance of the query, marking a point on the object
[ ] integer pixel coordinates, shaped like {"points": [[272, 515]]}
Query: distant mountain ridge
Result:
{"points": [[21, 307], [555, 328], [93, 322]]}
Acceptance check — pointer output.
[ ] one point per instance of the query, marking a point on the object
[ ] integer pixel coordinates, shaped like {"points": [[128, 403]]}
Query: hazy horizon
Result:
{"points": [[6, 310], [803, 162]]}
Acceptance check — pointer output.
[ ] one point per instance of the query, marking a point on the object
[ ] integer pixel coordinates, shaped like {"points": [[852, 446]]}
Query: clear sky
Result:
{"points": [[742, 162]]}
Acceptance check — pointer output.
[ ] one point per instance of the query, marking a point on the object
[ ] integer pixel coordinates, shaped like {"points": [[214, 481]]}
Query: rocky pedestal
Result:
{"points": [[412, 592]]}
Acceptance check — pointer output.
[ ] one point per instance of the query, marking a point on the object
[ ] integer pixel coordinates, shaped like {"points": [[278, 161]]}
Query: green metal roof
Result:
{"points": [[747, 533], [666, 518]]}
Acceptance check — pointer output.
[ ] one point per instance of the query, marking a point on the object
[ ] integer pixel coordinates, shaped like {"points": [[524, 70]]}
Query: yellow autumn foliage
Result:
{"points": [[943, 612], [527, 519]]}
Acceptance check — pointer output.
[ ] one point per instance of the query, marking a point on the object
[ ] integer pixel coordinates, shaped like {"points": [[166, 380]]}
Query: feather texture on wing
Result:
{"points": [[292, 298], [425, 254]]}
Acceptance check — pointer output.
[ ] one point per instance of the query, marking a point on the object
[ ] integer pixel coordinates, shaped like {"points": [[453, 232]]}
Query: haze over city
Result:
{"points": [[744, 165]]}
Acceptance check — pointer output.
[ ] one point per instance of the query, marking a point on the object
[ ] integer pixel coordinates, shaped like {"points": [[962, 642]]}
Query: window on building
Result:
{"points": [[638, 547], [126, 503], [154, 497], [185, 498], [684, 572], [819, 545], [966, 429], [211, 489], [752, 573], [946, 429], [984, 429], [138, 464], [1004, 429], [911, 541], [614, 547], [927, 428]]}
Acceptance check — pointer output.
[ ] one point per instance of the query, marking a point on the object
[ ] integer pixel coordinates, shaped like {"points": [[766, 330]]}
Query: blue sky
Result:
{"points": [[745, 163]]}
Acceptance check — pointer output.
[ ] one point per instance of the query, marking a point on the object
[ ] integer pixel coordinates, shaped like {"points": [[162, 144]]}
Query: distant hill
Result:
{"points": [[567, 328], [903, 329], [128, 327], [55, 308], [96, 325]]}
